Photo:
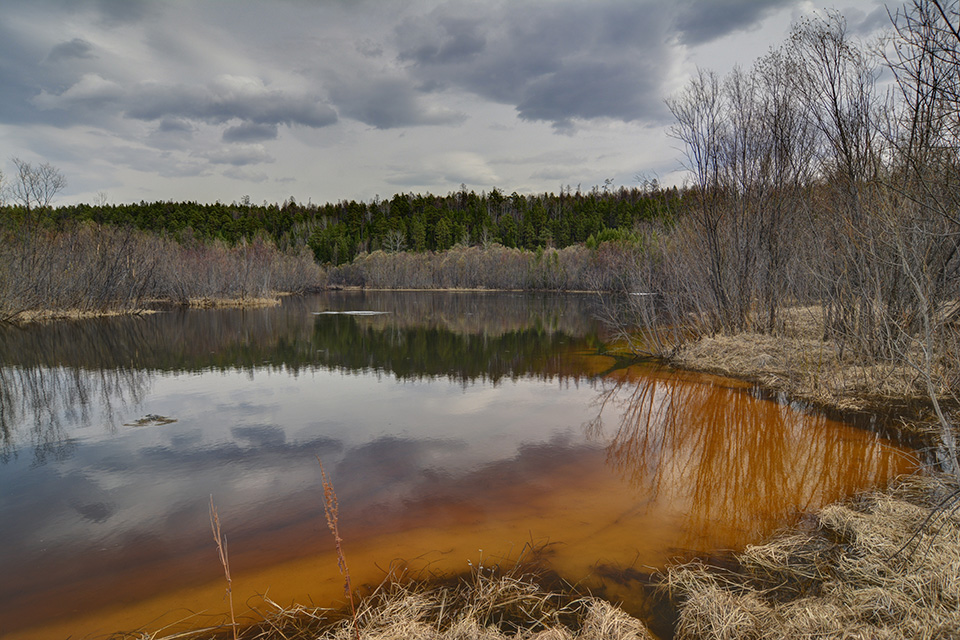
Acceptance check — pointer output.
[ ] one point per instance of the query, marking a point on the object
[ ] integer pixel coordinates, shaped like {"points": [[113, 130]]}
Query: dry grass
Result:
{"points": [[486, 605], [800, 363], [331, 508], [885, 565], [220, 303], [222, 553], [76, 314]]}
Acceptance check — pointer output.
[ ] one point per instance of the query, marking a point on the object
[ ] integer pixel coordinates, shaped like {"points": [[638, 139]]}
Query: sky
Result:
{"points": [[327, 100]]}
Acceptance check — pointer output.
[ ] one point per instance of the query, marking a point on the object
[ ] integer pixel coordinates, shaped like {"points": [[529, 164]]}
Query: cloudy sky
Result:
{"points": [[325, 100]]}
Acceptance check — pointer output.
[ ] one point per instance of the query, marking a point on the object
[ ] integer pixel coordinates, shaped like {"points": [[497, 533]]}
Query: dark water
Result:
{"points": [[458, 428]]}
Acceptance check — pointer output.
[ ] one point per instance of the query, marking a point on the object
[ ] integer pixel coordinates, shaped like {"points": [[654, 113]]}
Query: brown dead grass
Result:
{"points": [[485, 606], [884, 565], [76, 314], [222, 303], [48, 315], [803, 365]]}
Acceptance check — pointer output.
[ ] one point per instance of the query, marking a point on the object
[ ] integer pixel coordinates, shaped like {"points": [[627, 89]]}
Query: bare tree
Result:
{"points": [[35, 187], [699, 111], [924, 227], [395, 241]]}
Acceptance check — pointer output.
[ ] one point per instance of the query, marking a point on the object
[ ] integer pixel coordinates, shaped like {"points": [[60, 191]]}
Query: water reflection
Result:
{"points": [[59, 378], [738, 462], [43, 405], [291, 336]]}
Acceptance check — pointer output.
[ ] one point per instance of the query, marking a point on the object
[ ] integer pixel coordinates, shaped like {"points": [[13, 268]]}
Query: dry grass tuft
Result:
{"points": [[885, 565], [802, 364], [488, 604]]}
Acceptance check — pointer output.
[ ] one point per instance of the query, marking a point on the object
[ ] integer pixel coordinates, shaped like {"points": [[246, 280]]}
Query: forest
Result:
{"points": [[338, 232]]}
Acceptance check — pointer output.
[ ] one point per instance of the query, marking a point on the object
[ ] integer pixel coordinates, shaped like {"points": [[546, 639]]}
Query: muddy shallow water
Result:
{"points": [[457, 428]]}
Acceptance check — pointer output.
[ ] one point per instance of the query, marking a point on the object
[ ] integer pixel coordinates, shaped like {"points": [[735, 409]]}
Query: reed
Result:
{"points": [[221, 541], [331, 507]]}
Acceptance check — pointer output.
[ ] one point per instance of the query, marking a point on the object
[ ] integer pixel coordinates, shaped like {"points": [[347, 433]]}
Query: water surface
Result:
{"points": [[458, 429]]}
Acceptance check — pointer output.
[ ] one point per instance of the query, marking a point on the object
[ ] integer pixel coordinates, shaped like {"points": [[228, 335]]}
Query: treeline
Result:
{"points": [[338, 232], [89, 268]]}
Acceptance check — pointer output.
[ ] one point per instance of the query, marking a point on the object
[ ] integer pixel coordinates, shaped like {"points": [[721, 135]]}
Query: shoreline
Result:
{"points": [[154, 306], [216, 302], [801, 366], [857, 567]]}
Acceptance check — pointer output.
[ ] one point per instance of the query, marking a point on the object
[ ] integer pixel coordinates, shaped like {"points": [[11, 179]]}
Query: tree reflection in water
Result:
{"points": [[59, 377], [43, 406], [733, 461]]}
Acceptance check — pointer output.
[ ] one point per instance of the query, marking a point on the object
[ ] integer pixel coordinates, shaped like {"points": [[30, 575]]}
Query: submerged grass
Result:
{"points": [[487, 604], [883, 565]]}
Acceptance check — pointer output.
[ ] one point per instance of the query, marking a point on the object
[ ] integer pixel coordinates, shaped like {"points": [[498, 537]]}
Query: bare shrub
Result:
{"points": [[90, 268], [493, 266]]}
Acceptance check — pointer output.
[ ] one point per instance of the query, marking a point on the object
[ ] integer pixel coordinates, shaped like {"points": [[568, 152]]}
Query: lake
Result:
{"points": [[458, 429]]}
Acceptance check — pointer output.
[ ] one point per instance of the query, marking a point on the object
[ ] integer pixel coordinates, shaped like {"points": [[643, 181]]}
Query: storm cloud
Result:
{"points": [[552, 61], [699, 22]]}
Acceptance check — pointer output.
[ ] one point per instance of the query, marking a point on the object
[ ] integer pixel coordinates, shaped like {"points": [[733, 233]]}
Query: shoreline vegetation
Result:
{"points": [[884, 564], [88, 270]]}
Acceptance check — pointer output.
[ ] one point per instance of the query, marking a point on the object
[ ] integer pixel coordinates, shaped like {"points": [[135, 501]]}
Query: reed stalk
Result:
{"points": [[221, 541], [331, 507]]}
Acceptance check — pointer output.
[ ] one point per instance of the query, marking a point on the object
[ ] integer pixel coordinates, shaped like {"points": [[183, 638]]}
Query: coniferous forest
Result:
{"points": [[338, 232]]}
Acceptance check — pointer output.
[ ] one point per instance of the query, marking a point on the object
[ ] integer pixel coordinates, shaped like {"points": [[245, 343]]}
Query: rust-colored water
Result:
{"points": [[612, 471]]}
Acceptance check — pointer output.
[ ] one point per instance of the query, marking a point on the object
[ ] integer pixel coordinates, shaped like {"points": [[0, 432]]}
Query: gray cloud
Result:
{"points": [[449, 40], [866, 24], [553, 61], [386, 103], [19, 56], [699, 22], [175, 85], [124, 11], [250, 132], [244, 175], [108, 12], [76, 48], [90, 92], [238, 156], [226, 98], [175, 125]]}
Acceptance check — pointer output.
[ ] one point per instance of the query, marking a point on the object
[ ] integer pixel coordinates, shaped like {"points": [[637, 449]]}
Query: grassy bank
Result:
{"points": [[800, 363], [883, 565]]}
